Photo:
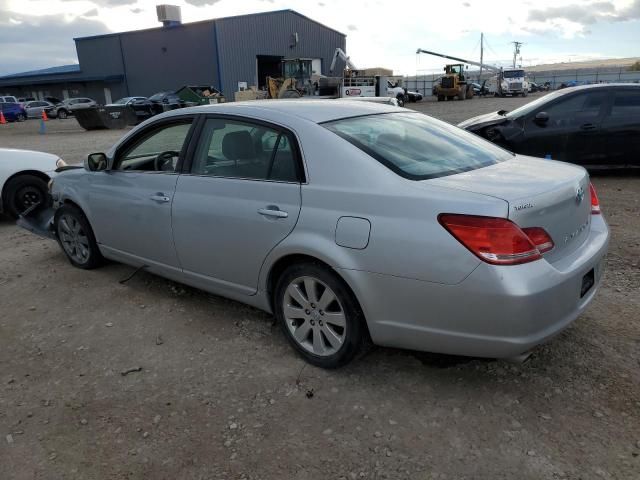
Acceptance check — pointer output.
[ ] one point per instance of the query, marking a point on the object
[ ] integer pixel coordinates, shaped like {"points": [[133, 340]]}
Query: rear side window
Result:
{"points": [[416, 146], [230, 148], [626, 103]]}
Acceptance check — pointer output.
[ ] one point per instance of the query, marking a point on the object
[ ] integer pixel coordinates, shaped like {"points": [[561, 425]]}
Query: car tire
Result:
{"points": [[441, 98], [23, 191], [76, 238], [326, 327], [400, 99], [21, 117], [62, 114]]}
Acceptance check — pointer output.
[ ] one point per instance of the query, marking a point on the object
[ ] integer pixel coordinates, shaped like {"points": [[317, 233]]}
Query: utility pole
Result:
{"points": [[481, 56], [516, 51]]}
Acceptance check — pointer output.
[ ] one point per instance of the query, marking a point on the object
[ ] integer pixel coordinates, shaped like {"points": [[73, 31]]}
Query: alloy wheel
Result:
{"points": [[314, 316], [73, 238]]}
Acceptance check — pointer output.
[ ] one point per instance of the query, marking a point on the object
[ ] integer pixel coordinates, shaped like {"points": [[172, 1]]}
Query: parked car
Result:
{"points": [[35, 108], [141, 106], [344, 219], [127, 101], [13, 111], [163, 101], [8, 99], [414, 96], [71, 105], [23, 179], [54, 100], [592, 125]]}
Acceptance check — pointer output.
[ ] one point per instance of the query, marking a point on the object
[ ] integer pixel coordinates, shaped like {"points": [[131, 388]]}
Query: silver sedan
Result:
{"points": [[347, 221]]}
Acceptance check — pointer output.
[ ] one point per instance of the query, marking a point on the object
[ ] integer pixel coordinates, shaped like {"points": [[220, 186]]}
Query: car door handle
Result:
{"points": [[273, 211], [587, 126], [160, 198]]}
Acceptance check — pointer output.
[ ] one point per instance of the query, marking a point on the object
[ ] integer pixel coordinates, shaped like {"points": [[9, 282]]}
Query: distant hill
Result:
{"points": [[591, 64]]}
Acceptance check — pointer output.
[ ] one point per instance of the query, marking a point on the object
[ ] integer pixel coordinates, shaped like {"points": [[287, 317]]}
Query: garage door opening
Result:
{"points": [[268, 66]]}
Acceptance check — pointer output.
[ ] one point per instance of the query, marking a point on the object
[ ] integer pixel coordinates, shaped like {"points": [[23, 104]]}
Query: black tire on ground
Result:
{"points": [[70, 221], [21, 117], [62, 114], [400, 99], [21, 192], [441, 98], [355, 332]]}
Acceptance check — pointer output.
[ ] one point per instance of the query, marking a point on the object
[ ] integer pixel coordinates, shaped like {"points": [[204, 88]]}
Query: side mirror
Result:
{"points": [[96, 162], [541, 118]]}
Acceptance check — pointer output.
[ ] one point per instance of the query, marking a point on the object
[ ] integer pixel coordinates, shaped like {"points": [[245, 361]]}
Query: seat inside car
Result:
{"points": [[239, 147]]}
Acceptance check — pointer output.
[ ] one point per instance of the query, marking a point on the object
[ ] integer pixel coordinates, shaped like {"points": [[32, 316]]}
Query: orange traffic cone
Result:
{"points": [[44, 116], [2, 119]]}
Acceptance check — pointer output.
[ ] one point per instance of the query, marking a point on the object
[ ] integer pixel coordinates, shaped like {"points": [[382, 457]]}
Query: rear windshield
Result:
{"points": [[416, 146]]}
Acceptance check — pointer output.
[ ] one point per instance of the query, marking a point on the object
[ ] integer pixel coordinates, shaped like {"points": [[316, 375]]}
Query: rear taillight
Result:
{"points": [[497, 240], [540, 238], [595, 203]]}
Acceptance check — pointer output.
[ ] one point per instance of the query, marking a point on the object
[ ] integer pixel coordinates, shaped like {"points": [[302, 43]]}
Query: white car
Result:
{"points": [[24, 175]]}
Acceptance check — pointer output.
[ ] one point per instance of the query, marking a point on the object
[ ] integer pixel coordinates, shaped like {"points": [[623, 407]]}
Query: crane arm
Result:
{"points": [[339, 53], [470, 62]]}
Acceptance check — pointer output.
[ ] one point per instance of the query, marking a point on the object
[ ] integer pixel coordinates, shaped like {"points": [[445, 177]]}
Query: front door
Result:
{"points": [[240, 199], [130, 204], [572, 132]]}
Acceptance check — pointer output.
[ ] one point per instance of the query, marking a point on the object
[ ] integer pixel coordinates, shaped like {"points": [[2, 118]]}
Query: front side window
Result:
{"points": [[231, 148], [576, 109], [155, 151], [416, 146]]}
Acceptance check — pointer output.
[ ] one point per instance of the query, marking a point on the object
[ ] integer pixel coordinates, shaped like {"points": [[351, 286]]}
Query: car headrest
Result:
{"points": [[238, 146]]}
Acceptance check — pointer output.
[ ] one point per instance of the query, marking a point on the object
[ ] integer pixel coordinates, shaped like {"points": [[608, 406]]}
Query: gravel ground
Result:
{"points": [[153, 380]]}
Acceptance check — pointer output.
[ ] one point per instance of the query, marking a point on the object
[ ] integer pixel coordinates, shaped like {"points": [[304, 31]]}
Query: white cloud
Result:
{"points": [[381, 33]]}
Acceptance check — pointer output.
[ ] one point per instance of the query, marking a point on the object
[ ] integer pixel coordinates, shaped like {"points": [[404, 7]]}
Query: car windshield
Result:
{"points": [[531, 106], [122, 101], [416, 146], [513, 73], [158, 96]]}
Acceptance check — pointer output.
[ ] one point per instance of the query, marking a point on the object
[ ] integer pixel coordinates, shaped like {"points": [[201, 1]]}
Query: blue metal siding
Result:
{"points": [[241, 39], [100, 56], [169, 58]]}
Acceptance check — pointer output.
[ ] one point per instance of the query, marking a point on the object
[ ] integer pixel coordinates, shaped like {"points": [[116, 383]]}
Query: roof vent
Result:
{"points": [[169, 15]]}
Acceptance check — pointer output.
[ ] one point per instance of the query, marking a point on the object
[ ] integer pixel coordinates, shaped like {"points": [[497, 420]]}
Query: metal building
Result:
{"points": [[219, 52]]}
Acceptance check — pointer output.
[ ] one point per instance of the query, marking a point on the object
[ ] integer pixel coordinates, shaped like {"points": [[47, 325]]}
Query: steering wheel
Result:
{"points": [[164, 158]]}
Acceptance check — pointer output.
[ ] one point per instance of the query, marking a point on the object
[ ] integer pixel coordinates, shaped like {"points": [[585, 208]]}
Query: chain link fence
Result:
{"points": [[424, 83]]}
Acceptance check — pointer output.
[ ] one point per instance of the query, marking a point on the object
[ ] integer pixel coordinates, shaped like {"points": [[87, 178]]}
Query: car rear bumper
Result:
{"points": [[497, 311]]}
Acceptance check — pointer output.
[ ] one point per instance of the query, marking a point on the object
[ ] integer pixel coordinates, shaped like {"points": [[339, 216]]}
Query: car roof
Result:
{"points": [[315, 110], [600, 85]]}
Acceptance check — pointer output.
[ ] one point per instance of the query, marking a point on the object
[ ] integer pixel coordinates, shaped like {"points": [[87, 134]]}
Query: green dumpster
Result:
{"points": [[200, 94]]}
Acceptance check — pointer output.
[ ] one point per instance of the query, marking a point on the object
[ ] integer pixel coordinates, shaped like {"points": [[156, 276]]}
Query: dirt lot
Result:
{"points": [[220, 394]]}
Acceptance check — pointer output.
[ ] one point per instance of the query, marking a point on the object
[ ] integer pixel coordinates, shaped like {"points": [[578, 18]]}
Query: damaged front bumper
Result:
{"points": [[39, 222]]}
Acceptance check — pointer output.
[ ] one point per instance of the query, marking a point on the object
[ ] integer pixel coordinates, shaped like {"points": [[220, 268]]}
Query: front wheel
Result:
{"points": [[76, 238], [21, 117], [23, 192], [319, 315], [400, 99], [62, 114]]}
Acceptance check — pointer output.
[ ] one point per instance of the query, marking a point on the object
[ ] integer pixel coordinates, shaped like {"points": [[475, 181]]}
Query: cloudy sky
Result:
{"points": [[39, 33]]}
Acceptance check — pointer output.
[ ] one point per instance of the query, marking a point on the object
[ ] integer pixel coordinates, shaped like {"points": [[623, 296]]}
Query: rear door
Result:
{"points": [[573, 132], [239, 199], [621, 128]]}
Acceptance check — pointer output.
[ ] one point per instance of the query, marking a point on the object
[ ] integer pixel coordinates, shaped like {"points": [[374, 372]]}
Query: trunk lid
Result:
{"points": [[540, 193]]}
